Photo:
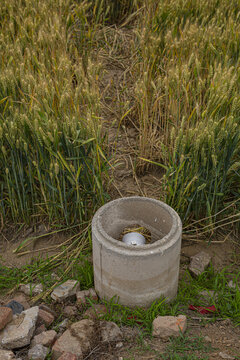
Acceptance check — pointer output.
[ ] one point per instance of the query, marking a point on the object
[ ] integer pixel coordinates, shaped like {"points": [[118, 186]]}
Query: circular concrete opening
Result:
{"points": [[137, 275]]}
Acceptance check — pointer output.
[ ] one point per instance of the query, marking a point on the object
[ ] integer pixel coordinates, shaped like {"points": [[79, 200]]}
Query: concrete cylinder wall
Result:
{"points": [[137, 275]]}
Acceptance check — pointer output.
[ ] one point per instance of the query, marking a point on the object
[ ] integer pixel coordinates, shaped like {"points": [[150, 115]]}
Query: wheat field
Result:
{"points": [[181, 92]]}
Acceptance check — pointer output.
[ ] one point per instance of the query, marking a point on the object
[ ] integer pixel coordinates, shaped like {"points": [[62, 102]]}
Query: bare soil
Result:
{"points": [[11, 239]]}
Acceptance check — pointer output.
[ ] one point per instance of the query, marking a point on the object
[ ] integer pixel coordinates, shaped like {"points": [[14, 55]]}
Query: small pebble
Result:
{"points": [[207, 338], [63, 325]]}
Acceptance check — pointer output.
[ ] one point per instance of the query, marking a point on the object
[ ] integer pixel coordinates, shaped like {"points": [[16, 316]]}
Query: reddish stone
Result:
{"points": [[6, 316], [67, 356], [40, 329], [70, 310], [81, 298], [78, 340], [48, 309], [166, 326], [95, 312], [92, 294], [65, 344], [83, 295], [44, 317], [46, 338]]}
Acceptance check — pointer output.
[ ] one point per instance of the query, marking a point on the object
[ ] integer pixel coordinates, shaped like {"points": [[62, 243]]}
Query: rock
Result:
{"points": [[119, 345], [6, 355], [48, 309], [19, 331], [110, 331], [67, 356], [166, 326], [16, 307], [92, 294], [78, 339], [21, 298], [31, 289], [6, 316], [199, 263], [85, 331], [95, 312], [44, 317], [63, 325], [46, 338], [67, 343], [207, 339], [224, 355], [38, 352], [83, 295], [40, 329], [65, 290], [70, 310], [81, 298]]}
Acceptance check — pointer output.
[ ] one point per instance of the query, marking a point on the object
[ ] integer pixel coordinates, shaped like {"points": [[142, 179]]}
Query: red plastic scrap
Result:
{"points": [[203, 309], [134, 318]]}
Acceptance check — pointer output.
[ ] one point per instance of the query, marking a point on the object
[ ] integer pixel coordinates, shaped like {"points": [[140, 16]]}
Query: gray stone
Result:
{"points": [[16, 307], [66, 290], [19, 331], [110, 331], [166, 326], [6, 355], [62, 325], [31, 289], [38, 352], [199, 263]]}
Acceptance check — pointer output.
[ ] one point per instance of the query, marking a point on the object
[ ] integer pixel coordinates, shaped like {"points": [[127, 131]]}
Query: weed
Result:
{"points": [[226, 301], [186, 347]]}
